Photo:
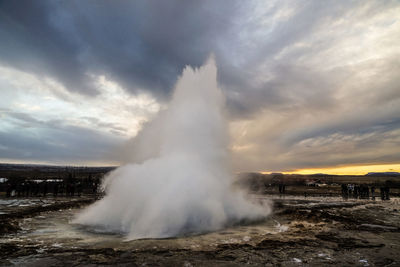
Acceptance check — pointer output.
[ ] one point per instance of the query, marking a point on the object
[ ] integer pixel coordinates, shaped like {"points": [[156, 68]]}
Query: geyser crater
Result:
{"points": [[183, 184]]}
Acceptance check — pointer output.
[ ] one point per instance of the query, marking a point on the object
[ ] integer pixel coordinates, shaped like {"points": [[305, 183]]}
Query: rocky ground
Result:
{"points": [[300, 232], [12, 210]]}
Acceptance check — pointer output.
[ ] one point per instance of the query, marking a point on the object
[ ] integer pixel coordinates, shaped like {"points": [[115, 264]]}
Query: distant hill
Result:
{"points": [[383, 174], [52, 168], [39, 171]]}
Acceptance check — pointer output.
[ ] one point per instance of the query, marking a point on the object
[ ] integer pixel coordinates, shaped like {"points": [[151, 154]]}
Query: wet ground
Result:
{"points": [[301, 231]]}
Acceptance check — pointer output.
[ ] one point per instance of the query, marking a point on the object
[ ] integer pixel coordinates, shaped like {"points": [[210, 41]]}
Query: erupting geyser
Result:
{"points": [[184, 185]]}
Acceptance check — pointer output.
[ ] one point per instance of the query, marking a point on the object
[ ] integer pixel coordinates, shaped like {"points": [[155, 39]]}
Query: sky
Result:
{"points": [[309, 85]]}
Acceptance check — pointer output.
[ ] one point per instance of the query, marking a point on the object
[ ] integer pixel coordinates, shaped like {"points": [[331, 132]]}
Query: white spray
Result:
{"points": [[184, 184]]}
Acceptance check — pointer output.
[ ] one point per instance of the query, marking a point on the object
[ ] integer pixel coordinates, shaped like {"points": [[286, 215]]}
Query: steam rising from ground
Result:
{"points": [[183, 184]]}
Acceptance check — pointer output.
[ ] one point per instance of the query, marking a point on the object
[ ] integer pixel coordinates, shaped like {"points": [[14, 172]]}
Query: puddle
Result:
{"points": [[53, 229], [288, 236]]}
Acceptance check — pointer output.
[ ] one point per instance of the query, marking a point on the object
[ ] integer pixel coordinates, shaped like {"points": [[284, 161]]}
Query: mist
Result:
{"points": [[178, 179]]}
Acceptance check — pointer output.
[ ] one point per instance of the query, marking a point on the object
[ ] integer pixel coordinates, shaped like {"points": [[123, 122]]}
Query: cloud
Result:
{"points": [[143, 45], [54, 153], [307, 83], [53, 142], [41, 122]]}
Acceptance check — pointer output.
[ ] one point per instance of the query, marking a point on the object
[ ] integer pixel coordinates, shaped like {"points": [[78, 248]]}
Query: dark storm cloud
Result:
{"points": [[145, 44], [140, 44], [30, 43]]}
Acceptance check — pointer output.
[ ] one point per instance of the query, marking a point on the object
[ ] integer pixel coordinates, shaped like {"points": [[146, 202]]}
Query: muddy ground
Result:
{"points": [[301, 231]]}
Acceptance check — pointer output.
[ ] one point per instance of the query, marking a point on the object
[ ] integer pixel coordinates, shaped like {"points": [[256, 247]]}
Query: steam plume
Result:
{"points": [[183, 184]]}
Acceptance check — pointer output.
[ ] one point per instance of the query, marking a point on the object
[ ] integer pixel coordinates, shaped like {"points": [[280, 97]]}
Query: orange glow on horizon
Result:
{"points": [[348, 170]]}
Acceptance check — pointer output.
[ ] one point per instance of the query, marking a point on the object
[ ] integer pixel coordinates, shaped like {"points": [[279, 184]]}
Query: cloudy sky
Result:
{"points": [[309, 84]]}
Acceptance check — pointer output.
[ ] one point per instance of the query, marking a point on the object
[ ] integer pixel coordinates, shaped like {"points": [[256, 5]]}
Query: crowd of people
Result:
{"points": [[363, 191], [68, 187], [282, 188]]}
